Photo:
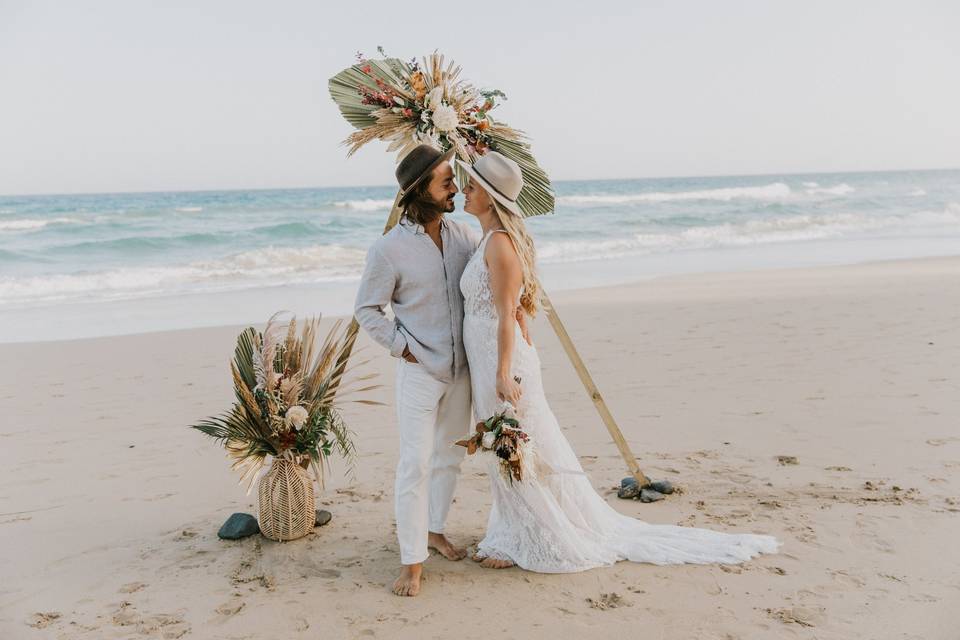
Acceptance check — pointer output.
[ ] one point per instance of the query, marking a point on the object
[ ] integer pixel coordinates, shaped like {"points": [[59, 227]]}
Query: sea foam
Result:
{"points": [[774, 191], [367, 204], [32, 224]]}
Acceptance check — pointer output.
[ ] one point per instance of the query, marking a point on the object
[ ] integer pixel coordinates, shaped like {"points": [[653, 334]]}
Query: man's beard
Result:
{"points": [[443, 206], [446, 206]]}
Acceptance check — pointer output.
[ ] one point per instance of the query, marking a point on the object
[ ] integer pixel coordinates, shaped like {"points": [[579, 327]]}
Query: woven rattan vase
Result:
{"points": [[287, 501]]}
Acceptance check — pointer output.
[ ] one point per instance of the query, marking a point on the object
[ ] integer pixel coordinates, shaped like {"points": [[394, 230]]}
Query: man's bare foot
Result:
{"points": [[408, 584], [439, 542]]}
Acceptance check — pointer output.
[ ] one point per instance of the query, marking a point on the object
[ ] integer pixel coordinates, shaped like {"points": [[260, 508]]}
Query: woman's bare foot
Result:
{"points": [[439, 542], [408, 584], [494, 563]]}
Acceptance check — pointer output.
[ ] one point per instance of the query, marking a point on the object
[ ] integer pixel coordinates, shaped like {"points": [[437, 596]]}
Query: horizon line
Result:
{"points": [[383, 186]]}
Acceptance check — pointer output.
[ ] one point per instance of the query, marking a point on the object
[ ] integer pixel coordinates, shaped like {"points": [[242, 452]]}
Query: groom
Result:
{"points": [[415, 268]]}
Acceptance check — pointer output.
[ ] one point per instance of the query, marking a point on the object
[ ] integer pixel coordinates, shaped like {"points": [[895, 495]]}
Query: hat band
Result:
{"points": [[493, 186]]}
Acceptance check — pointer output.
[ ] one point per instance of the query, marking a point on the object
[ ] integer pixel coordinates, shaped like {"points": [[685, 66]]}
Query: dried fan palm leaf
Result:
{"points": [[382, 101]]}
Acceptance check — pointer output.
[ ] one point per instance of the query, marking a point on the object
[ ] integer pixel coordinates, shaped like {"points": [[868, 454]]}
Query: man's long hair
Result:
{"points": [[419, 207]]}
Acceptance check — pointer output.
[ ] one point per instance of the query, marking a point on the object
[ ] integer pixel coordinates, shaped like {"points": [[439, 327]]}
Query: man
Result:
{"points": [[416, 268]]}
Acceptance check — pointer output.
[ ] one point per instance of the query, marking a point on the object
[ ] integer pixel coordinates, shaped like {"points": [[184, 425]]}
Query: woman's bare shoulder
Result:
{"points": [[500, 250]]}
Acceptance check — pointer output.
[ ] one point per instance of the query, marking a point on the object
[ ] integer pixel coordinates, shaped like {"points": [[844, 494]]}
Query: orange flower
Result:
{"points": [[418, 84]]}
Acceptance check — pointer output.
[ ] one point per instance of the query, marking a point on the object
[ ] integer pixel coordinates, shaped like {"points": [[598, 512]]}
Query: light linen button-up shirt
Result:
{"points": [[407, 270]]}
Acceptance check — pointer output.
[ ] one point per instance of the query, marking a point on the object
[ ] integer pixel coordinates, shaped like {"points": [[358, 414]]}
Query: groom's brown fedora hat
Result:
{"points": [[417, 165]]}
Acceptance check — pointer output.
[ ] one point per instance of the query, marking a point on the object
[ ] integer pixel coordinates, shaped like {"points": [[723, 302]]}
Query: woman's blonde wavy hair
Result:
{"points": [[527, 252]]}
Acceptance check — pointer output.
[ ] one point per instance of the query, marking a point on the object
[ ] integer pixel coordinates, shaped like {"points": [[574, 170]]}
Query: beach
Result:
{"points": [[817, 404]]}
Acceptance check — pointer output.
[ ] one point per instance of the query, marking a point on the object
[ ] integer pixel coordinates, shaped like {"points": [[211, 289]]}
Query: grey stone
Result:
{"points": [[323, 517], [662, 486], [629, 491], [649, 495], [239, 525], [627, 481]]}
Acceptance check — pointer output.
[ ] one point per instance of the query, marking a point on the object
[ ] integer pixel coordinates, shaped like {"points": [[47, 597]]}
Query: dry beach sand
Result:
{"points": [[109, 505]]}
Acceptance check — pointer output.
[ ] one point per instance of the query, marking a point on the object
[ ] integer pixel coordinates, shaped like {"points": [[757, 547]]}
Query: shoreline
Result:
{"points": [[338, 297], [342, 294]]}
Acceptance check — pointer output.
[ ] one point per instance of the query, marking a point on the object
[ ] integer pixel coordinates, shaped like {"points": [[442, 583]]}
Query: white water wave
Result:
{"points": [[796, 228], [773, 191], [367, 204], [31, 224], [261, 267], [841, 189]]}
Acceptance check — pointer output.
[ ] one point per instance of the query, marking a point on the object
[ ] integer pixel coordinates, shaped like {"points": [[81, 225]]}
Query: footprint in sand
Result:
{"points": [[608, 601], [939, 442], [42, 620], [803, 616], [847, 579], [166, 625], [230, 607], [132, 587]]}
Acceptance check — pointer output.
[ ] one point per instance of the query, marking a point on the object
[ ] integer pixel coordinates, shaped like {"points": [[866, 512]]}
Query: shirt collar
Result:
{"points": [[416, 228]]}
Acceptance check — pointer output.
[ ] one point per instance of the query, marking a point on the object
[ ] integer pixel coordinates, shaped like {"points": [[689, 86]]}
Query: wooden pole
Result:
{"points": [[592, 390], [571, 350]]}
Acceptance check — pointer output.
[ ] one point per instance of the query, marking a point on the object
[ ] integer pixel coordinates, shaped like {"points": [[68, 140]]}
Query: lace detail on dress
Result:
{"points": [[556, 522], [475, 284]]}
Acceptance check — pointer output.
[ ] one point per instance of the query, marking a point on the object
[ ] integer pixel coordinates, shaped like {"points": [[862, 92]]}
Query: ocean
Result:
{"points": [[84, 265]]}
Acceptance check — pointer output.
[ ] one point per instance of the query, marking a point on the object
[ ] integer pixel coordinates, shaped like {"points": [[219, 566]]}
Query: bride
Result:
{"points": [[553, 521]]}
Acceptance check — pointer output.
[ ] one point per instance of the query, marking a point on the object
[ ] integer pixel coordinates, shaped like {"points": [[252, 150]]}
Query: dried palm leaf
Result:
{"points": [[389, 80]]}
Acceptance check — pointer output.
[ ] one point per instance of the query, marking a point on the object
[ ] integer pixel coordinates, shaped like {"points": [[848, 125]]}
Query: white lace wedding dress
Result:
{"points": [[555, 522]]}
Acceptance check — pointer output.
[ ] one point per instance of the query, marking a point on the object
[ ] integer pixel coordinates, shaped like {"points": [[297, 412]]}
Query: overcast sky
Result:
{"points": [[131, 95]]}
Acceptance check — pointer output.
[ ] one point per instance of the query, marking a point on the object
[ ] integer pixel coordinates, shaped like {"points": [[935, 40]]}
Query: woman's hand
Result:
{"points": [[509, 390]]}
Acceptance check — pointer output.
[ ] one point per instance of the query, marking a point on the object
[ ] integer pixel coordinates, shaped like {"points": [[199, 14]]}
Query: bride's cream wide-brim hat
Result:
{"points": [[500, 177]]}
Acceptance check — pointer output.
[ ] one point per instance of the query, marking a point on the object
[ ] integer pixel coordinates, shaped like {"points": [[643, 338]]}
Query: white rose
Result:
{"points": [[445, 118], [434, 97], [488, 439], [297, 417]]}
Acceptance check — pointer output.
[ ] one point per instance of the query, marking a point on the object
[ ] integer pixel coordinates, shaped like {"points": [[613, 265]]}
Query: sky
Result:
{"points": [[128, 95]]}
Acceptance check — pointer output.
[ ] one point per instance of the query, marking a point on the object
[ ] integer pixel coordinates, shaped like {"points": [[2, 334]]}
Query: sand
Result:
{"points": [[819, 405]]}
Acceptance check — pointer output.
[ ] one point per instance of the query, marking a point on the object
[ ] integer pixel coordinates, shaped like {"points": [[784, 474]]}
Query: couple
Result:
{"points": [[459, 331]]}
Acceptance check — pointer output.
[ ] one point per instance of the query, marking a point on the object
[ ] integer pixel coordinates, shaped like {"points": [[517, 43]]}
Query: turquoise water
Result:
{"points": [[57, 251]]}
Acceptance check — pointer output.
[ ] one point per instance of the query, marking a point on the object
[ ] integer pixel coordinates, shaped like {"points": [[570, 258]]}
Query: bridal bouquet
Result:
{"points": [[407, 103], [502, 435]]}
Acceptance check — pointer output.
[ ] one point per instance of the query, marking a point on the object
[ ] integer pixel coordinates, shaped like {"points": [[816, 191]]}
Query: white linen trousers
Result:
{"points": [[431, 416]]}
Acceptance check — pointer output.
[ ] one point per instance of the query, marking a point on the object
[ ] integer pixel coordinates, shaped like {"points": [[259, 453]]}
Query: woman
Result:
{"points": [[553, 521]]}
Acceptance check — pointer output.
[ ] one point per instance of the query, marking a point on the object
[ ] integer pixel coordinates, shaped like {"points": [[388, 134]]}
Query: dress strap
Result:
{"points": [[491, 232]]}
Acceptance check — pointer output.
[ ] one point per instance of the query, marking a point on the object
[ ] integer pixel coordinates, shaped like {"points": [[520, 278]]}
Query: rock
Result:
{"points": [[239, 525], [629, 491], [649, 495], [661, 486], [787, 460], [628, 481], [323, 517]]}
